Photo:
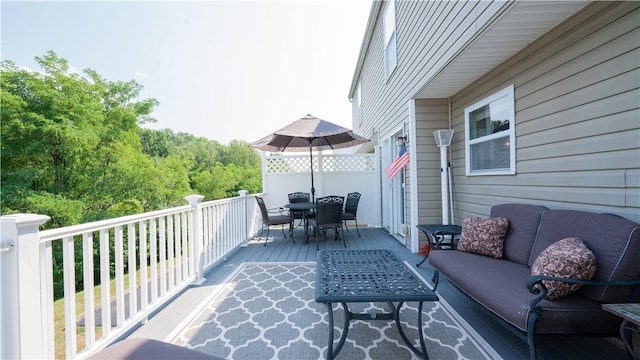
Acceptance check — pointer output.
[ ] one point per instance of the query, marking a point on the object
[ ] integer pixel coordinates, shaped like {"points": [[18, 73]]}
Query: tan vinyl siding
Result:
{"points": [[424, 47], [577, 93], [431, 115]]}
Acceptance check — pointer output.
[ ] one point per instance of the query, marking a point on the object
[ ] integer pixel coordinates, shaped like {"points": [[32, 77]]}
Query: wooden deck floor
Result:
{"points": [[163, 324]]}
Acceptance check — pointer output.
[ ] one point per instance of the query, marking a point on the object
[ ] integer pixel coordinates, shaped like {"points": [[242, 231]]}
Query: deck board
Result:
{"points": [[163, 324]]}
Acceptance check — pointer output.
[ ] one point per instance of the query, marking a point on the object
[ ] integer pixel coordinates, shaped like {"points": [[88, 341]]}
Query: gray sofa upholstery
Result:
{"points": [[506, 288], [148, 349]]}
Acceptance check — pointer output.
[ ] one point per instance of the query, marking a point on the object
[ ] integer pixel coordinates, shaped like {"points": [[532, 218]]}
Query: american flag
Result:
{"points": [[398, 163]]}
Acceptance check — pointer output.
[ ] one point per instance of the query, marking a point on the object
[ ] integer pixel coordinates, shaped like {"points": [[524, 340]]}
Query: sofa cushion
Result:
{"points": [[524, 220], [615, 242], [483, 236], [142, 348], [569, 258]]}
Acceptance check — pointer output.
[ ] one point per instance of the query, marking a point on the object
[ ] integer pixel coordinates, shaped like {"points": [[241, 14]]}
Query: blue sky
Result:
{"points": [[225, 70]]}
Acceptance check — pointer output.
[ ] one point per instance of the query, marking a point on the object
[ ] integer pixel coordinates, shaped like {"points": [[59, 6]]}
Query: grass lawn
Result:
{"points": [[58, 320]]}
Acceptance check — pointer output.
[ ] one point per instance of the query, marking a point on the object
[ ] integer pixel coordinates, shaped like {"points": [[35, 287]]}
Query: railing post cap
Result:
{"points": [[194, 199], [243, 192], [25, 219]]}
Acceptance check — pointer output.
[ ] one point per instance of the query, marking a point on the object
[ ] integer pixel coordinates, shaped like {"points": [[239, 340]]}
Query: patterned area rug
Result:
{"points": [[267, 311]]}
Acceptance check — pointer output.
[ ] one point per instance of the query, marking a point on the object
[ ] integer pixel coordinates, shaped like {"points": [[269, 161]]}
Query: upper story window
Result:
{"points": [[390, 59], [490, 135]]}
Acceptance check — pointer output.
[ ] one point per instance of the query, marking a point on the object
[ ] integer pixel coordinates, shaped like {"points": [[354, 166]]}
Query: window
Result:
{"points": [[490, 135], [390, 59]]}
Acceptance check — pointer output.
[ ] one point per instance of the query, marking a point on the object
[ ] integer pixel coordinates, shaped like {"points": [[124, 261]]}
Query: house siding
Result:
{"points": [[577, 100], [431, 115], [424, 47], [428, 33]]}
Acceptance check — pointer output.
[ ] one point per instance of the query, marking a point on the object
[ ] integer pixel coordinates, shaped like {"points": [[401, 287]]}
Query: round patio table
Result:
{"points": [[306, 206]]}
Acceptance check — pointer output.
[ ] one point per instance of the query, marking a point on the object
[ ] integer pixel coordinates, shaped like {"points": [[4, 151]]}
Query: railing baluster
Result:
{"points": [[170, 255], [68, 259], [218, 232], [46, 286], [206, 217], [185, 248], [153, 259], [178, 248], [89, 291], [119, 260], [105, 300], [163, 255], [144, 278], [133, 270]]}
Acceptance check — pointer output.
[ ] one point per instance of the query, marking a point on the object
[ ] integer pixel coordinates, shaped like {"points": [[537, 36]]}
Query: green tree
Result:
{"points": [[70, 138], [214, 170], [241, 154], [72, 147]]}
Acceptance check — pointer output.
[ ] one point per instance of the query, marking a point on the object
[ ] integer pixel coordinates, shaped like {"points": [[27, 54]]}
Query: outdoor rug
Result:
{"points": [[268, 311]]}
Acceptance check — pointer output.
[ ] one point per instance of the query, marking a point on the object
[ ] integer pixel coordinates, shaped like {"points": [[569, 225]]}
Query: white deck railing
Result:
{"points": [[155, 256]]}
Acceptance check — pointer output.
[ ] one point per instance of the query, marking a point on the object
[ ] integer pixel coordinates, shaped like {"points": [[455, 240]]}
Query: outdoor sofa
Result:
{"points": [[493, 265]]}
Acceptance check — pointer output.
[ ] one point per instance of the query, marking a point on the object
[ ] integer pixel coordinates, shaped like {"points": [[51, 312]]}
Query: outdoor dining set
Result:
{"points": [[325, 213]]}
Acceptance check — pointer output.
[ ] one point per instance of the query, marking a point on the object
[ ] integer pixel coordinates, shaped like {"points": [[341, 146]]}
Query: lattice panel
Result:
{"points": [[289, 164], [332, 163], [348, 163]]}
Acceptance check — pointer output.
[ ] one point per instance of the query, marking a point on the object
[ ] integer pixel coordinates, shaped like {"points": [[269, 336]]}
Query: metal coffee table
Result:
{"points": [[354, 276]]}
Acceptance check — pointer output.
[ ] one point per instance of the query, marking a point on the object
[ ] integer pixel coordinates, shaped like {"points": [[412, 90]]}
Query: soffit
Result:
{"points": [[520, 25]]}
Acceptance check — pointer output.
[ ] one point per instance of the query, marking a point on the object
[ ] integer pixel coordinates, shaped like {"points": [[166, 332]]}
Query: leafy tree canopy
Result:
{"points": [[72, 147]]}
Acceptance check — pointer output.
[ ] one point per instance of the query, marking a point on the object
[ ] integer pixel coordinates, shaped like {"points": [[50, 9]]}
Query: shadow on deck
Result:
{"points": [[166, 322]]}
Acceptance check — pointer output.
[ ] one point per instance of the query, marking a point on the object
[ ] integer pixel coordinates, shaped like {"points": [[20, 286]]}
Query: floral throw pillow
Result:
{"points": [[568, 258], [483, 236]]}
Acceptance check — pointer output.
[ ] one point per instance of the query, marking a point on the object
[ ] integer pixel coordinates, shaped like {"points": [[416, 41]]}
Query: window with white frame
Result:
{"points": [[490, 135], [390, 59]]}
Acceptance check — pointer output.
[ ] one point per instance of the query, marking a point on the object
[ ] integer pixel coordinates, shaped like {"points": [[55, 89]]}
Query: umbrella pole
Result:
{"points": [[313, 189]]}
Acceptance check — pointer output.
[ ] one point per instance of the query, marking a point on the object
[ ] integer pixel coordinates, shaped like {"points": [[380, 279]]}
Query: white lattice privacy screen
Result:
{"points": [[300, 163], [337, 174]]}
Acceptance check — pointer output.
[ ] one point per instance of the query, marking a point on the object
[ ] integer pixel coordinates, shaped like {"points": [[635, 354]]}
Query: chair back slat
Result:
{"points": [[351, 206], [329, 210], [298, 197], [263, 209]]}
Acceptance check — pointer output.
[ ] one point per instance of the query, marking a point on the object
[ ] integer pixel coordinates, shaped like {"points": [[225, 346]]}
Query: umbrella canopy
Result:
{"points": [[309, 133], [306, 132]]}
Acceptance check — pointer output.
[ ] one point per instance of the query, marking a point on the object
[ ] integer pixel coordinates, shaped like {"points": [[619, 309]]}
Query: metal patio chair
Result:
{"points": [[298, 197], [269, 220], [328, 216], [351, 210]]}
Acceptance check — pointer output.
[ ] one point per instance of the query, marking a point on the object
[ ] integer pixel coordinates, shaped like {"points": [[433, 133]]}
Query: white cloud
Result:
{"points": [[141, 74]]}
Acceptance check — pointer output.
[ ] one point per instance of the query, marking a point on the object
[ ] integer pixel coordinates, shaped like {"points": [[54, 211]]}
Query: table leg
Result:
{"points": [[626, 335], [422, 353], [330, 347], [331, 353], [420, 334]]}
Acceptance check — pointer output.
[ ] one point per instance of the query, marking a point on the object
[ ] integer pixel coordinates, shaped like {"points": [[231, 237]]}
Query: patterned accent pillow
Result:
{"points": [[569, 258], [483, 236]]}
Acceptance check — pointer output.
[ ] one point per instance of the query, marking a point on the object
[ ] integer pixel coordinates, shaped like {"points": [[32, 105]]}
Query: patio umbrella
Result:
{"points": [[309, 133]]}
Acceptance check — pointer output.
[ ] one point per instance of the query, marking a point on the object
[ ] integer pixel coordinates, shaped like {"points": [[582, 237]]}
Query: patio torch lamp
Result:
{"points": [[443, 140]]}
